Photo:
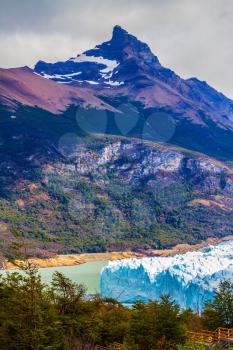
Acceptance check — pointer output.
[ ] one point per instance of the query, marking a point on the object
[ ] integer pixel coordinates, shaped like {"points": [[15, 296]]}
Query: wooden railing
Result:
{"points": [[202, 337], [208, 337], [225, 333]]}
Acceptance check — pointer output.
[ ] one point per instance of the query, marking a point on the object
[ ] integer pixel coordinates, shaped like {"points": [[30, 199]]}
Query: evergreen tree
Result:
{"points": [[219, 311], [157, 325], [27, 317]]}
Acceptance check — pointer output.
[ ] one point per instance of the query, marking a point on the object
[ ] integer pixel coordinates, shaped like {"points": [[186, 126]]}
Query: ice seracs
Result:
{"points": [[189, 278]]}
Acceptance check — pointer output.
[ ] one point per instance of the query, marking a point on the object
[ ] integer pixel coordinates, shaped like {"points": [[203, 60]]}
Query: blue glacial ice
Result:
{"points": [[189, 278]]}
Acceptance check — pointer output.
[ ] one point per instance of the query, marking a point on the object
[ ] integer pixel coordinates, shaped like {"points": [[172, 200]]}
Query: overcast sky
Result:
{"points": [[192, 37]]}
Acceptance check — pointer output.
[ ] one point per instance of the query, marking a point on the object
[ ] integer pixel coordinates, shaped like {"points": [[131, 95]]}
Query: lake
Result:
{"points": [[87, 274]]}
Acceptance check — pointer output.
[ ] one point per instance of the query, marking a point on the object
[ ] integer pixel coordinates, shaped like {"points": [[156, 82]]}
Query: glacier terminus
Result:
{"points": [[189, 278]]}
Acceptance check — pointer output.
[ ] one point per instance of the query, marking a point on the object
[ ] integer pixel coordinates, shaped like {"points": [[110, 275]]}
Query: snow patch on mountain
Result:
{"points": [[189, 278], [105, 68], [114, 83], [58, 76], [110, 64]]}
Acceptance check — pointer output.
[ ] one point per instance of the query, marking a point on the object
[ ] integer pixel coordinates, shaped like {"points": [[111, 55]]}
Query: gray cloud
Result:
{"points": [[192, 37]]}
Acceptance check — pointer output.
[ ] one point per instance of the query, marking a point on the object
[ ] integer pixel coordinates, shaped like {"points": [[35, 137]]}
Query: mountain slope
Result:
{"points": [[22, 85], [99, 152], [62, 192]]}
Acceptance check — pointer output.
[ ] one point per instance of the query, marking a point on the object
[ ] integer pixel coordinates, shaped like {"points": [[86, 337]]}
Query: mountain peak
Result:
{"points": [[118, 31], [123, 38], [124, 45], [132, 57]]}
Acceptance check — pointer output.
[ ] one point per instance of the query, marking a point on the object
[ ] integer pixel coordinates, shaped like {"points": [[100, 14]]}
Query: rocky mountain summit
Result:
{"points": [[124, 71], [129, 65], [112, 63]]}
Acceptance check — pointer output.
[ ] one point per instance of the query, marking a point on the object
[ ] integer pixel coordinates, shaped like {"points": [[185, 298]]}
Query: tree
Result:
{"points": [[27, 320], [157, 325], [219, 311], [192, 320], [142, 330], [110, 321], [68, 298], [170, 325]]}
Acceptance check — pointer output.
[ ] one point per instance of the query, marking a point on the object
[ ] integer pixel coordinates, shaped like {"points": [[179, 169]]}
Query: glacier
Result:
{"points": [[189, 278]]}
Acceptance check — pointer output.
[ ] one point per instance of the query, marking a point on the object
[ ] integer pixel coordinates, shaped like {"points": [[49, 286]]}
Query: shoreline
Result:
{"points": [[82, 258]]}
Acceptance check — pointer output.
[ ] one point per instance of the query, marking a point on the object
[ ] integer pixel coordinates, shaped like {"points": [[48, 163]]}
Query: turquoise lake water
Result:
{"points": [[87, 274]]}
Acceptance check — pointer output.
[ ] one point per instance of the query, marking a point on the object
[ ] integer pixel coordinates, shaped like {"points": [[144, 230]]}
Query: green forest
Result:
{"points": [[61, 316]]}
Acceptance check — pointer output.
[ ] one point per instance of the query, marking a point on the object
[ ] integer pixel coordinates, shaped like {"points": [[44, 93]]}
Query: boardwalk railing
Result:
{"points": [[208, 337]]}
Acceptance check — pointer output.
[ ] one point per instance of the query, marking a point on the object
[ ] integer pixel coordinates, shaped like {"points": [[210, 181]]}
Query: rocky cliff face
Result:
{"points": [[140, 159], [135, 162]]}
